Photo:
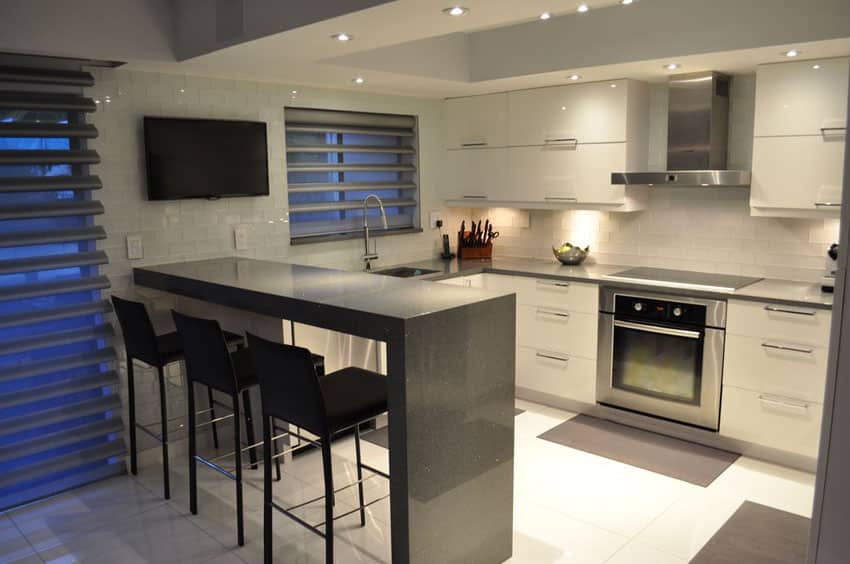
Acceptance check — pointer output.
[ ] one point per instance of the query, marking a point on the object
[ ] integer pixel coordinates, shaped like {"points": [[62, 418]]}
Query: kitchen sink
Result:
{"points": [[405, 272]]}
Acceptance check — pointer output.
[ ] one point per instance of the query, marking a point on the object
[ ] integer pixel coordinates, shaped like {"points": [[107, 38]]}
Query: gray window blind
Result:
{"points": [[335, 159]]}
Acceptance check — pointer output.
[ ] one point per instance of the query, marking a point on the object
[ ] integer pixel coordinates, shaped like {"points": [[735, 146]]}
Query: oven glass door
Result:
{"points": [[658, 361]]}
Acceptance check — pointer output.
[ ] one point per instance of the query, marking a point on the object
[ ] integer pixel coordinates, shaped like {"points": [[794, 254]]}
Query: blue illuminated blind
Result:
{"points": [[335, 159], [60, 423]]}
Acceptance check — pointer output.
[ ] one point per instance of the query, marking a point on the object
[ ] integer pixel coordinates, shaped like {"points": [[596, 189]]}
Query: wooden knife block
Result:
{"points": [[472, 252]]}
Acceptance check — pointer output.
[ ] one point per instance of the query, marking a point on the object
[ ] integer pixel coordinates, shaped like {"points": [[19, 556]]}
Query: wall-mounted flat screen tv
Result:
{"points": [[204, 158]]}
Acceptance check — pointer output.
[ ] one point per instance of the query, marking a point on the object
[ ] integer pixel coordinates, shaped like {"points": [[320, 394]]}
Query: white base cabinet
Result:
{"points": [[774, 375], [556, 374]]}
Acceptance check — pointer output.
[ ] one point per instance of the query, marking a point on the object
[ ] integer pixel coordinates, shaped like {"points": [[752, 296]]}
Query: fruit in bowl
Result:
{"points": [[570, 254]]}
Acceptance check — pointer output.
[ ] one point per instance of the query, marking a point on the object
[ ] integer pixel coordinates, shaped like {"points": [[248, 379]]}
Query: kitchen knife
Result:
{"points": [[462, 232]]}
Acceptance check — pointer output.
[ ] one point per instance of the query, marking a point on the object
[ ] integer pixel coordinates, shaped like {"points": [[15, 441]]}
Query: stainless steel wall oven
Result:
{"points": [[662, 355]]}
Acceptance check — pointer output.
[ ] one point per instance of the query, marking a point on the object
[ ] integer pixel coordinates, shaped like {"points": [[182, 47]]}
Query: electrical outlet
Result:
{"points": [[135, 249], [433, 218], [240, 236]]}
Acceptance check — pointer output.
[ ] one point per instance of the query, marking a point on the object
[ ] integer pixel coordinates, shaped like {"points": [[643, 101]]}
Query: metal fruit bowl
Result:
{"points": [[573, 256]]}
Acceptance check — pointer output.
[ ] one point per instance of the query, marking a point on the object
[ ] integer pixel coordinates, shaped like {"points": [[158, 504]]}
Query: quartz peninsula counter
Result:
{"points": [[450, 370]]}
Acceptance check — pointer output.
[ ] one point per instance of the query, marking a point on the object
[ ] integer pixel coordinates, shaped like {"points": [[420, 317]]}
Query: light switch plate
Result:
{"points": [[240, 236], [135, 249], [433, 218]]}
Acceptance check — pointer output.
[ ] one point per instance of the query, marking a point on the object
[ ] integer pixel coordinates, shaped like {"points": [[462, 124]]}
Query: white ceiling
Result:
{"points": [[410, 47]]}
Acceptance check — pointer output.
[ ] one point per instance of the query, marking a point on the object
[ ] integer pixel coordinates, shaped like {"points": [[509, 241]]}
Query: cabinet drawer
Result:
{"points": [[773, 421], [776, 367], [556, 329], [561, 294], [794, 324], [557, 374]]}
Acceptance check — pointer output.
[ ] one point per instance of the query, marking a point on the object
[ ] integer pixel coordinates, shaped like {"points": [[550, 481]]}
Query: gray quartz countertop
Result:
{"points": [[769, 290], [352, 291]]}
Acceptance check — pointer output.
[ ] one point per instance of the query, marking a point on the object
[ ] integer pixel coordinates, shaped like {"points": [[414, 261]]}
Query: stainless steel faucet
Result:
{"points": [[367, 256]]}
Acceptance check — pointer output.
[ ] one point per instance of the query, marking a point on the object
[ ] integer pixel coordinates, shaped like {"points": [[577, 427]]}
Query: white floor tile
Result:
{"points": [[67, 515], [689, 523], [637, 553], [13, 545], [768, 484], [158, 536], [542, 535]]}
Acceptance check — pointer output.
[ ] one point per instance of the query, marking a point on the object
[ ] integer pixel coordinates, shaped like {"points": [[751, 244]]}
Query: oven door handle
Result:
{"points": [[659, 330]]}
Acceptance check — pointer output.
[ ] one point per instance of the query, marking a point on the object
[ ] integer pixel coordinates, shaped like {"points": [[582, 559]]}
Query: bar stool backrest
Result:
{"points": [[289, 385], [139, 335], [205, 350]]}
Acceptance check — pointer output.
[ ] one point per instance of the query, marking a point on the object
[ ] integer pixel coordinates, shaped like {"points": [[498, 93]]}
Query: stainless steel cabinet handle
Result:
{"points": [[549, 356], [478, 144], [774, 309], [658, 330], [553, 313], [566, 140], [832, 129], [553, 284], [560, 198], [472, 197], [784, 403], [827, 204], [789, 348]]}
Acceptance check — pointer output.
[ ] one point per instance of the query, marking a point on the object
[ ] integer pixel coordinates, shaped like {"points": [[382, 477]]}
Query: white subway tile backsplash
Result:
{"points": [[705, 230]]}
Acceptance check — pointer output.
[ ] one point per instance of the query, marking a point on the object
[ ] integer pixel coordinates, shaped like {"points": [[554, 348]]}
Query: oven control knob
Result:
{"points": [[638, 306], [677, 312]]}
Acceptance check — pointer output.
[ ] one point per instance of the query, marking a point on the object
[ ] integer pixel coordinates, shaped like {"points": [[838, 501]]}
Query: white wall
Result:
{"points": [[193, 229]]}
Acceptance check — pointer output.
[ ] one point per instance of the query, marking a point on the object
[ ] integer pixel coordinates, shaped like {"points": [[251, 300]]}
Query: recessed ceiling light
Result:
{"points": [[671, 66], [342, 37], [294, 92], [626, 2], [456, 11], [358, 80], [574, 77], [545, 16], [613, 85], [563, 108], [583, 8], [791, 53], [816, 66]]}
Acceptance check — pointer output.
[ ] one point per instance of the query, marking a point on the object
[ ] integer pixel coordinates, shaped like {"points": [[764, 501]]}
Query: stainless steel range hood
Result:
{"points": [[697, 135]]}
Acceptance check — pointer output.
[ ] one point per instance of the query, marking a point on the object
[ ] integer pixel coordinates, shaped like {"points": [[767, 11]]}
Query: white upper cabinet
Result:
{"points": [[797, 173], [799, 99], [479, 121], [559, 145], [583, 113], [578, 174], [476, 176], [800, 134]]}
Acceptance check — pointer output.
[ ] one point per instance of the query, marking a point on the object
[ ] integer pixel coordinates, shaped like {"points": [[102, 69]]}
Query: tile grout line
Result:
{"points": [[23, 536]]}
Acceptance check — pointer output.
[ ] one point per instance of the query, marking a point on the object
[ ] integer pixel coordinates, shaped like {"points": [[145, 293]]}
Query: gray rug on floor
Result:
{"points": [[676, 458], [757, 534], [381, 437]]}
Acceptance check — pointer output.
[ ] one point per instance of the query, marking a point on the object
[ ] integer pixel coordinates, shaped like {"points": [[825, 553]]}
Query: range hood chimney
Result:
{"points": [[697, 135]]}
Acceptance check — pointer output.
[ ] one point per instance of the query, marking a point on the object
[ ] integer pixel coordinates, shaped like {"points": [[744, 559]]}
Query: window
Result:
{"points": [[60, 423], [335, 159]]}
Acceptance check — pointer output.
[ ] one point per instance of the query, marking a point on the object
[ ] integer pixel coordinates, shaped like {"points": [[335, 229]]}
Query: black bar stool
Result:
{"points": [[292, 392], [143, 344], [209, 362]]}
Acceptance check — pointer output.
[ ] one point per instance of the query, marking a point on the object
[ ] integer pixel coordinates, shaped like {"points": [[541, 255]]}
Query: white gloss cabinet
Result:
{"points": [[797, 173], [479, 121], [774, 375], [585, 113], [568, 174], [797, 99], [559, 145], [800, 135], [476, 176]]}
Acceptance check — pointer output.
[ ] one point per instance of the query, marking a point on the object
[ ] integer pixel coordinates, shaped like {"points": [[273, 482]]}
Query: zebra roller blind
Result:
{"points": [[335, 159], [60, 408]]}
